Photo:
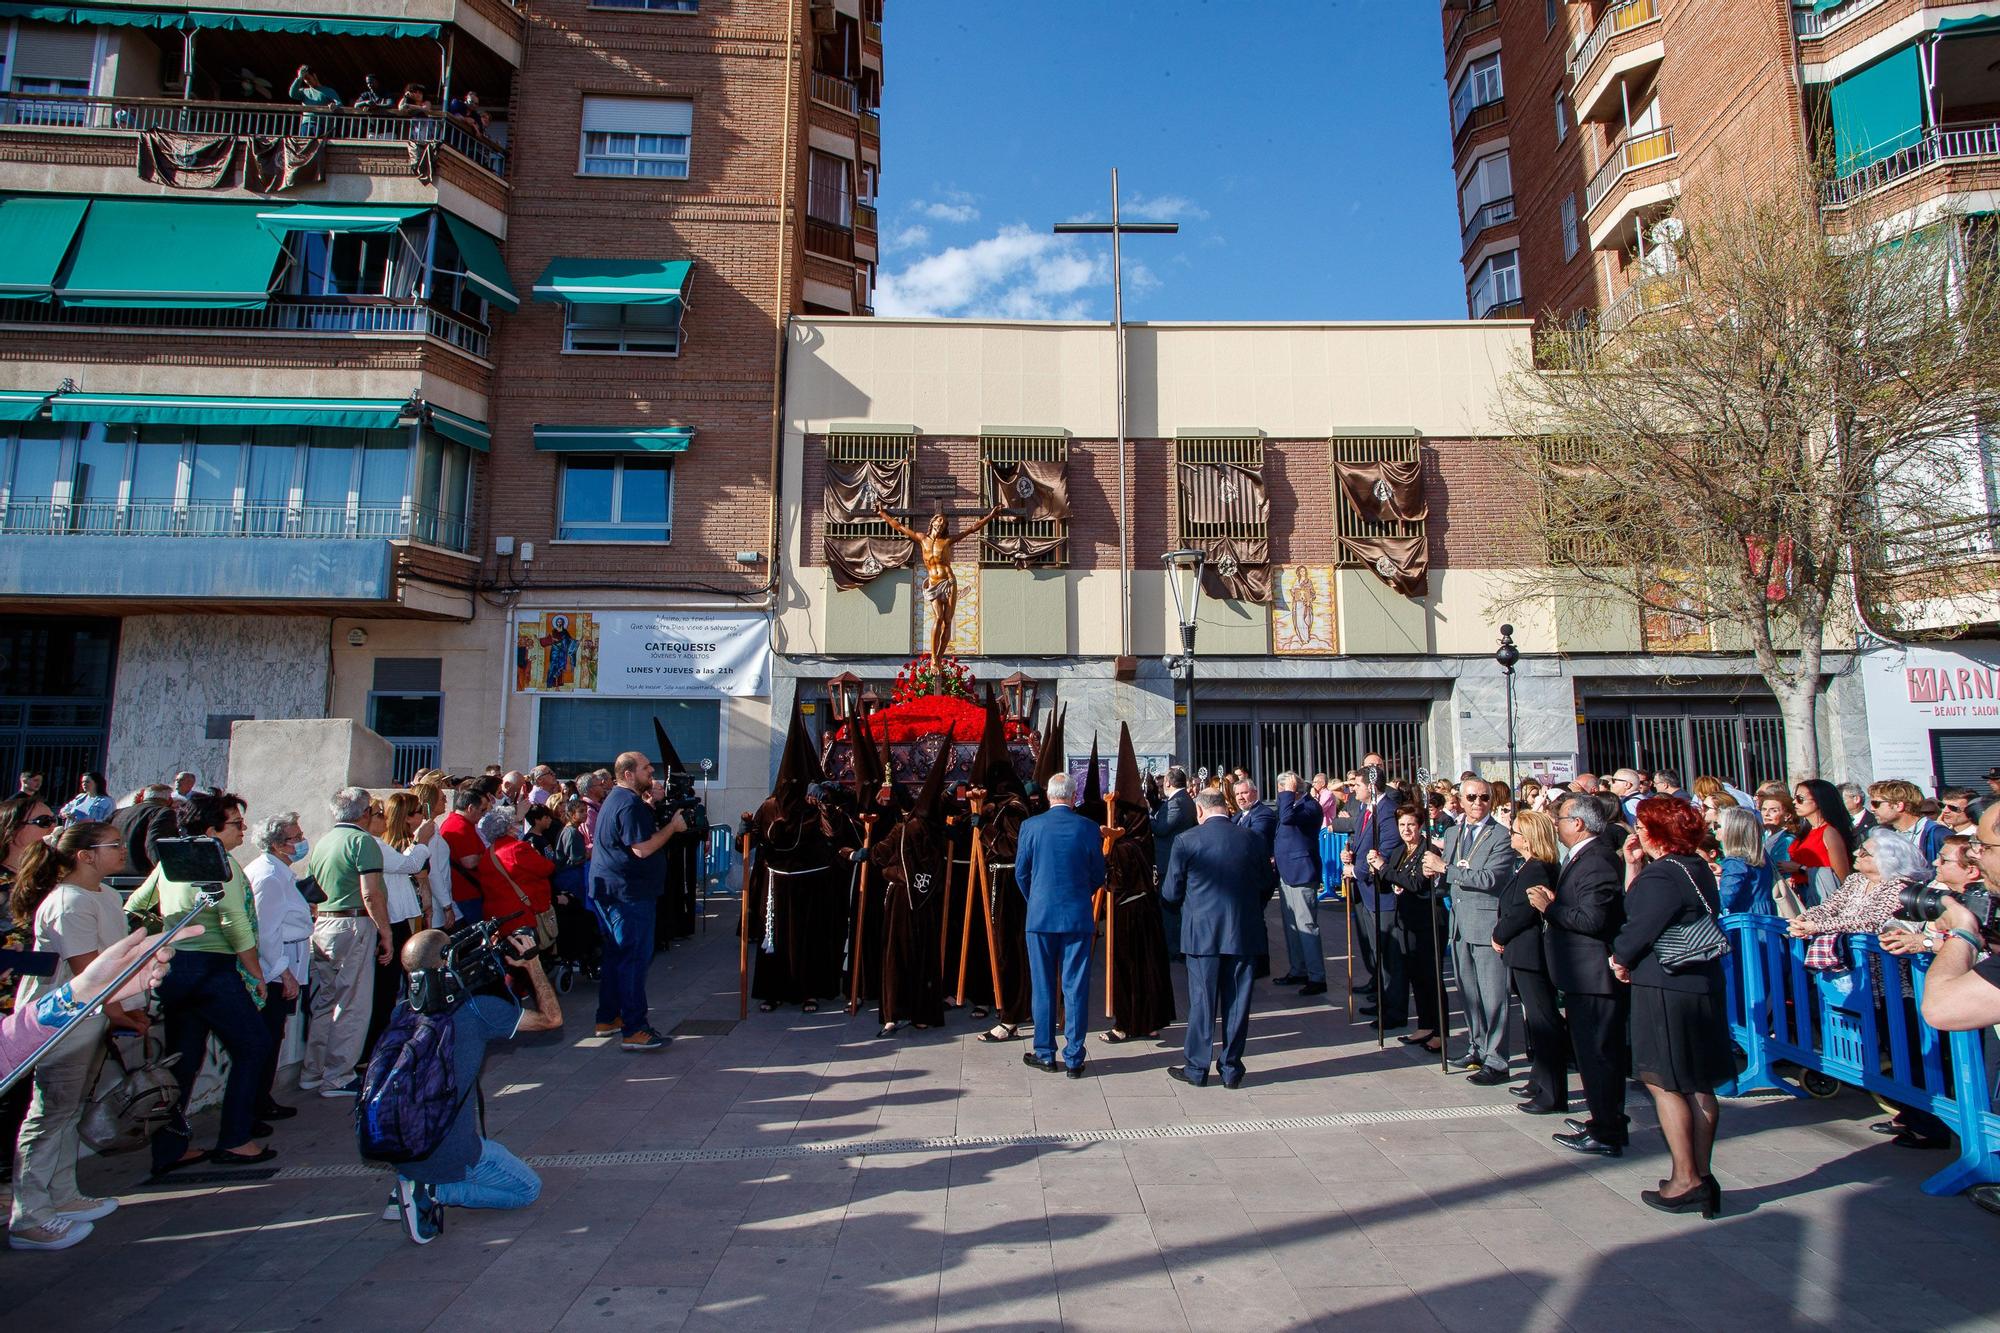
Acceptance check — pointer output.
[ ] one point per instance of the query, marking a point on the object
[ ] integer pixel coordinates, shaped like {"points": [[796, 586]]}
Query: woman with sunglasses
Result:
{"points": [[214, 985], [1828, 842], [24, 821]]}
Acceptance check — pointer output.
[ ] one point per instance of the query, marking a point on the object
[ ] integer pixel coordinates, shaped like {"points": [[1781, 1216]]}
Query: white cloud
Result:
{"points": [[954, 206], [913, 237], [1013, 274], [1162, 208]]}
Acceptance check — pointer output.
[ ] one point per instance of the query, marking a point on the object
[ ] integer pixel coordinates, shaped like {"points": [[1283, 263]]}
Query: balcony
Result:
{"points": [[840, 94], [48, 517], [1492, 214], [1811, 25], [1651, 293], [1625, 41], [1479, 118], [356, 317], [1968, 151], [1469, 25], [129, 117], [829, 239], [1641, 150]]}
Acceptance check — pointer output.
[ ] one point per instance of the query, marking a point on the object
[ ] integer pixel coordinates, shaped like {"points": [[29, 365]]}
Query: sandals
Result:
{"points": [[766, 1006], [1423, 1039], [1117, 1038], [1001, 1032], [222, 1157], [809, 1007], [888, 1029]]}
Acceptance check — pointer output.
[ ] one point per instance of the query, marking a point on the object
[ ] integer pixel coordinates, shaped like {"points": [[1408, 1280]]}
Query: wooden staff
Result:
{"points": [[1111, 835], [978, 881], [743, 937], [944, 913], [860, 919]]}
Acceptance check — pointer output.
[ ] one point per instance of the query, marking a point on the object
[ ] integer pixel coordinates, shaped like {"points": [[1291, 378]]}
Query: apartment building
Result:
{"points": [[1359, 529], [445, 407]]}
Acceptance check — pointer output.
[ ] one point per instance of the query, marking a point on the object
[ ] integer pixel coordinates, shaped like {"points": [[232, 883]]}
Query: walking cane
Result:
{"points": [[1437, 969], [1352, 891], [743, 945], [944, 914], [972, 797], [985, 874], [1111, 835], [860, 919]]}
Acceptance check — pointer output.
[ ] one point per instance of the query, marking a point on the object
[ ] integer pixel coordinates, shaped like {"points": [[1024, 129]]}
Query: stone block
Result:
{"points": [[298, 764]]}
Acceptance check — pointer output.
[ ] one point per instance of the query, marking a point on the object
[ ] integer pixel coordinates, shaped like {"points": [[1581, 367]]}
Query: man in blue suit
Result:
{"points": [[1374, 911], [1297, 855], [1221, 877], [1059, 867], [1262, 820]]}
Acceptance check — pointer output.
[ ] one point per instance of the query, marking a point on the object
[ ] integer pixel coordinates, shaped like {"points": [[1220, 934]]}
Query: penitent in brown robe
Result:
{"points": [[909, 861]]}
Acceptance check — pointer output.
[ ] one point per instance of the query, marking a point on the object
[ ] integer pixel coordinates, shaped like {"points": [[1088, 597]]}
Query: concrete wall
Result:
{"points": [[175, 672], [298, 764]]}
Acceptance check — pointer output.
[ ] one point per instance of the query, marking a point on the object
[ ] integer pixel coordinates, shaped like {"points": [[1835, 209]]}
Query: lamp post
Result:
{"points": [[1184, 571], [1507, 655]]}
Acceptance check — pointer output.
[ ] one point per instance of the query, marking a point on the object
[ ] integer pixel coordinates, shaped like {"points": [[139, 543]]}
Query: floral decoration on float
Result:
{"points": [[929, 701]]}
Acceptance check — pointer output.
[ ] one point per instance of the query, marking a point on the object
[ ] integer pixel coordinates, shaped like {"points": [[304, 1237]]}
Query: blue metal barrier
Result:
{"points": [[718, 853], [1331, 845], [1857, 1027]]}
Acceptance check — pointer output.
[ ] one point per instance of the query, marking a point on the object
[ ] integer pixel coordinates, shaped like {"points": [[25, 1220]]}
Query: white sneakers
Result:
{"points": [[58, 1233], [351, 1088], [87, 1210]]}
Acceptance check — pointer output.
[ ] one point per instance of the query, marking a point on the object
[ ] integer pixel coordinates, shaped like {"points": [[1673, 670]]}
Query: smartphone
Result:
{"points": [[30, 962]]}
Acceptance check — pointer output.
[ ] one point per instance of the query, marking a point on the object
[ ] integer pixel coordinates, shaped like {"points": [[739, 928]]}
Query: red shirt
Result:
{"points": [[462, 837], [530, 871]]}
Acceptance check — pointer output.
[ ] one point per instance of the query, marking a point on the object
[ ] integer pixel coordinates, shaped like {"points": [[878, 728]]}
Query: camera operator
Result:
{"points": [[1962, 992], [627, 877], [467, 1169]]}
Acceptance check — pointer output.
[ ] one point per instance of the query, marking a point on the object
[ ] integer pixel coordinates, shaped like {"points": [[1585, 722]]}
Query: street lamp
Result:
{"points": [[1021, 692], [1507, 655], [1184, 571]]}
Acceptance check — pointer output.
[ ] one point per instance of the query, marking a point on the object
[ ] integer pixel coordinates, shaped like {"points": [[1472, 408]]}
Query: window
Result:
{"points": [[1032, 469], [616, 500], [1550, 10], [636, 136], [1570, 245], [827, 198], [640, 330], [212, 491], [1496, 284], [1349, 522], [576, 735], [267, 488], [1562, 117], [1490, 180], [342, 264], [1478, 86]]}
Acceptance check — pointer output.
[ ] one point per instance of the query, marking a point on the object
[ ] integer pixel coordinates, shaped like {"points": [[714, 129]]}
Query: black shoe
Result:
{"points": [[1033, 1061], [1467, 1063], [1986, 1196], [221, 1158], [1583, 1142], [1313, 988], [1179, 1074], [1488, 1078], [1367, 1011], [1365, 988], [1529, 1108], [1578, 1126], [1233, 1086], [1523, 1090], [1073, 1071], [273, 1111], [1889, 1128], [260, 1130], [1289, 979], [1704, 1198], [1909, 1140]]}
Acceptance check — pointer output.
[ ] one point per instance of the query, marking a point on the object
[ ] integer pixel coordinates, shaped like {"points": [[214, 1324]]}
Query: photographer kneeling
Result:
{"points": [[428, 1119]]}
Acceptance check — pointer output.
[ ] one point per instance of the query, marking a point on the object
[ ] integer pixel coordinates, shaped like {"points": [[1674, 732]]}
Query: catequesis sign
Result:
{"points": [[687, 654]]}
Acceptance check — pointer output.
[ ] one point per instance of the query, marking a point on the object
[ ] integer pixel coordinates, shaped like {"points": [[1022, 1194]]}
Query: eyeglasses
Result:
{"points": [[1479, 796], [233, 823], [1956, 809], [1875, 801], [104, 846], [1864, 851]]}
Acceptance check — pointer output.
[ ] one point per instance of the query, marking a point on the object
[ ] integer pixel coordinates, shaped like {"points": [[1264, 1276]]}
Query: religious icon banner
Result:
{"points": [[1384, 491], [1401, 562], [628, 653], [1671, 620], [1225, 512], [1034, 490], [1302, 611]]}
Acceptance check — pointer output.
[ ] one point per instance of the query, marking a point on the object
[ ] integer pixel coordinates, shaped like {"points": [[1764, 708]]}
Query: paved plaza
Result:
{"points": [[1341, 1188]]}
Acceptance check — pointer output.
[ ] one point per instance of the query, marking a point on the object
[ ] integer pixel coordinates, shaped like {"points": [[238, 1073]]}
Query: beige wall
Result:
{"points": [[257, 381]]}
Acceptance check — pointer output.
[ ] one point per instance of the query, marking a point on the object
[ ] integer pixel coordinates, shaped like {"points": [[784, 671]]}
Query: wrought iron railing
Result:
{"points": [[1653, 292], [224, 518], [1637, 151], [1489, 214], [280, 316], [1470, 24], [838, 93], [1616, 21], [409, 756], [1809, 24], [135, 114], [1949, 143]]}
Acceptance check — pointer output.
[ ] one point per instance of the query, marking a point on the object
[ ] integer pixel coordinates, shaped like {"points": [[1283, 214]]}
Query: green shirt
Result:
{"points": [[338, 861], [231, 925]]}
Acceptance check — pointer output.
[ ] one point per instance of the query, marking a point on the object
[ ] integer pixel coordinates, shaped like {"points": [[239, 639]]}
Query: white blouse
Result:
{"points": [[397, 869]]}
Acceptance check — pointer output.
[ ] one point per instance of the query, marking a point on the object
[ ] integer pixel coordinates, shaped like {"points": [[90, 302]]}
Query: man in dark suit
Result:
{"points": [[1583, 916], [1172, 817], [1296, 854], [142, 825], [1059, 867], [1220, 876], [1374, 911], [1262, 820]]}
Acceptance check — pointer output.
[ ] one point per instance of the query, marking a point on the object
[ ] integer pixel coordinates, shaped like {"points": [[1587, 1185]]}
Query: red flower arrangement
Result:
{"points": [[919, 679], [927, 702]]}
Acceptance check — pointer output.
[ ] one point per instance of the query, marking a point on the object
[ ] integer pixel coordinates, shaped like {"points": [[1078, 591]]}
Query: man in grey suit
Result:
{"points": [[1477, 862], [1220, 876]]}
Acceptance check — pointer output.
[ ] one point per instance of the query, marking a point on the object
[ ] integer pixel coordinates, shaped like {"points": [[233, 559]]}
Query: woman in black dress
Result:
{"points": [[1680, 1027], [1416, 927], [1518, 937]]}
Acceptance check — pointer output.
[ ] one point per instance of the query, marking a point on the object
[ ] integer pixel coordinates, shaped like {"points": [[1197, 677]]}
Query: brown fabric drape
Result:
{"points": [[1231, 494], [188, 161], [1035, 490], [1401, 562], [273, 163], [1385, 492], [853, 493]]}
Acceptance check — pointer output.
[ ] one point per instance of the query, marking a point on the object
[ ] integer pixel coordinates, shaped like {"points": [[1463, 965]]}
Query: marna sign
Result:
{"points": [[1953, 685]]}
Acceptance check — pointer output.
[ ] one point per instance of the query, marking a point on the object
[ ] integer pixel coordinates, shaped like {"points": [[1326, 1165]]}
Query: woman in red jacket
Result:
{"points": [[514, 905]]}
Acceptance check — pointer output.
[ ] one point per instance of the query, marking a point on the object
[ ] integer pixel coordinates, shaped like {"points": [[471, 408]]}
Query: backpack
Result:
{"points": [[409, 1096]]}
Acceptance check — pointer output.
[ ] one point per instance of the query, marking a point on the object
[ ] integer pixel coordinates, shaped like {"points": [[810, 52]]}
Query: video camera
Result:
{"points": [[674, 793], [476, 958], [1925, 902]]}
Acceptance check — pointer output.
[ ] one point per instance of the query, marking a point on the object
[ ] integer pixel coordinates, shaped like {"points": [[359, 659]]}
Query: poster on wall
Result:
{"points": [[669, 654], [1545, 768], [1670, 621], [1302, 621], [1913, 692]]}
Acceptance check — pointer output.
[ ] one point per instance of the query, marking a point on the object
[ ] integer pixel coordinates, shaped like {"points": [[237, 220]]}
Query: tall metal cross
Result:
{"points": [[1118, 228]]}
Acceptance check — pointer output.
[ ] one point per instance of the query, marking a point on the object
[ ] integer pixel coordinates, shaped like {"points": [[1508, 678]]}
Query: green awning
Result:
{"points": [[1877, 111], [126, 16], [336, 217], [461, 429], [163, 253], [484, 268], [21, 405], [35, 232], [613, 439], [1968, 27], [184, 410], [614, 281]]}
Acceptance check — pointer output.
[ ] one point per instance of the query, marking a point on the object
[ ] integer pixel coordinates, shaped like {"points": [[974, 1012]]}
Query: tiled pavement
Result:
{"points": [[1465, 1222]]}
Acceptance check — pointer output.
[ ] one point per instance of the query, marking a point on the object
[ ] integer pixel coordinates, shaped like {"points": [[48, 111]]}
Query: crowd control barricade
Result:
{"points": [[1858, 1026], [1331, 846]]}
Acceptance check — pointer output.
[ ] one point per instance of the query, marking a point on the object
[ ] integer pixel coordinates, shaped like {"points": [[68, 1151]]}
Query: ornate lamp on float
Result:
{"points": [[843, 697], [1184, 572], [1019, 695]]}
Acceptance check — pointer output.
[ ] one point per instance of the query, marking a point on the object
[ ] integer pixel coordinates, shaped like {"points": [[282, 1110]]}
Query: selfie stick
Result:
{"points": [[204, 899]]}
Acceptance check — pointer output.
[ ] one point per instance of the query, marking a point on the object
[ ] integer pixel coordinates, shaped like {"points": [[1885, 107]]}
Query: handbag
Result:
{"points": [[545, 922], [1684, 947]]}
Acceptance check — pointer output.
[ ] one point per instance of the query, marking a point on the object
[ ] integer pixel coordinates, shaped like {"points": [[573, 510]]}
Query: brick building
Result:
{"points": [[337, 409], [1341, 659], [1576, 124]]}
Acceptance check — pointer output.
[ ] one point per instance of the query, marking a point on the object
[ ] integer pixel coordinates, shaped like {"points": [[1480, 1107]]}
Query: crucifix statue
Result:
{"points": [[940, 584]]}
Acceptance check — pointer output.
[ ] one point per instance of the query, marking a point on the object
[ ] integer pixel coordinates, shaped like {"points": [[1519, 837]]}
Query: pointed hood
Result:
{"points": [[1049, 762], [1129, 809], [798, 766], [929, 804], [670, 759], [867, 764], [993, 768], [1092, 802]]}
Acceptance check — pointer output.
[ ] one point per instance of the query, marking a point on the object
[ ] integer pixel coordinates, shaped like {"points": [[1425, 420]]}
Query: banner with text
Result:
{"points": [[1913, 692], [671, 654]]}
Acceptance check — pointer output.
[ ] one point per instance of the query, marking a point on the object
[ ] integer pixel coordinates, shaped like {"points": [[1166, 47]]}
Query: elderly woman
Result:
{"points": [[518, 891], [1745, 876], [284, 940], [1680, 1024]]}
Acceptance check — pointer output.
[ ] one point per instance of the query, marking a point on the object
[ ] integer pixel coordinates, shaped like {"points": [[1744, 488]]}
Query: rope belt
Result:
{"points": [[770, 941]]}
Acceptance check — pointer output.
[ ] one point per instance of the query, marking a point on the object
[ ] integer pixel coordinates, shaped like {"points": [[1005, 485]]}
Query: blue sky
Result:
{"points": [[1302, 146]]}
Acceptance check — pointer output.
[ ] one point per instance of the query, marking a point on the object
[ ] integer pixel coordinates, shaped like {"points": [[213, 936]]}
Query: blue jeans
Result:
{"points": [[1067, 955], [627, 927], [498, 1179]]}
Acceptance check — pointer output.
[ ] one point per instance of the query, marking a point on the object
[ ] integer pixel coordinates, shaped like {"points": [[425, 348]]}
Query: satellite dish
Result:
{"points": [[1668, 231]]}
